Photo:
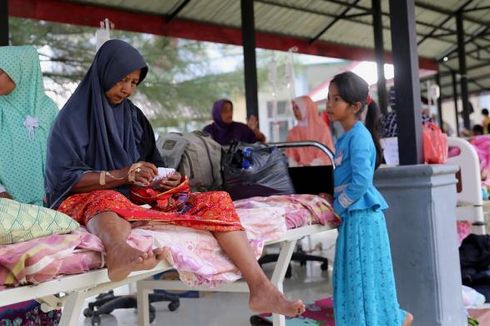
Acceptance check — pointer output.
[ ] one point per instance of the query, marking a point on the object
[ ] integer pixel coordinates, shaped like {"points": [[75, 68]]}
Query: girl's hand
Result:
{"points": [[144, 174], [327, 197], [170, 182]]}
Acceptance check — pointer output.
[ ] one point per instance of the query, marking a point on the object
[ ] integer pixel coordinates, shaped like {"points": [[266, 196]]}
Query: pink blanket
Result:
{"points": [[482, 147], [195, 254]]}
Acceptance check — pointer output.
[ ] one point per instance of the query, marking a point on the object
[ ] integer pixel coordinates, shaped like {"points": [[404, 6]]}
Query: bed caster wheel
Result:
{"points": [[174, 305], [87, 312], [324, 266]]}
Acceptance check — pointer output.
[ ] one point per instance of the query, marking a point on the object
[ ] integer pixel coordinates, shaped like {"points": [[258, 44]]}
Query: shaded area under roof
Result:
{"points": [[335, 28]]}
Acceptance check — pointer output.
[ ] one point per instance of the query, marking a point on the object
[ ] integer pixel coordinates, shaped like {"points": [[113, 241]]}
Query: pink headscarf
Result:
{"points": [[310, 127]]}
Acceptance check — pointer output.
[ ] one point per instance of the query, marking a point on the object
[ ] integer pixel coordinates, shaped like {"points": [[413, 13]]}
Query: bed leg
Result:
{"points": [[277, 279], [143, 304], [72, 309]]}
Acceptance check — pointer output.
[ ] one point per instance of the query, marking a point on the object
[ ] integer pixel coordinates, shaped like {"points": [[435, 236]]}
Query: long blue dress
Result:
{"points": [[363, 280]]}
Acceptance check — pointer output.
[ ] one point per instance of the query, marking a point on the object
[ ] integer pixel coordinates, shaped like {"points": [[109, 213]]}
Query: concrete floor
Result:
{"points": [[222, 309]]}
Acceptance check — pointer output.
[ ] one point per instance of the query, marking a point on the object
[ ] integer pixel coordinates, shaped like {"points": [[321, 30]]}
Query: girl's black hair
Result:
{"points": [[353, 89]]}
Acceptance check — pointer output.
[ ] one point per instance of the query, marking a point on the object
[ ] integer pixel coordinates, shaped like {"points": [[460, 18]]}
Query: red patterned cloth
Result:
{"points": [[212, 211]]}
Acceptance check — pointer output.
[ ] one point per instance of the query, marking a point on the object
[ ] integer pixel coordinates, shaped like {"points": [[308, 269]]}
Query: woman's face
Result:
{"points": [[7, 85], [227, 113], [297, 112], [123, 88]]}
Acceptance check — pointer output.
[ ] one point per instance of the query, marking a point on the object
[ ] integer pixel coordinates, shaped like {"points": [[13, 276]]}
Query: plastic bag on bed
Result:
{"points": [[255, 170], [434, 144]]}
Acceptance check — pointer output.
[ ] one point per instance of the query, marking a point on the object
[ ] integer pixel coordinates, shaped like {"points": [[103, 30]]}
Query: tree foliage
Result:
{"points": [[179, 86]]}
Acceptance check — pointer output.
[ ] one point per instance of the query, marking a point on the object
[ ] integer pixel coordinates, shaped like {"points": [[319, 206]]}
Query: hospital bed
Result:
{"points": [[469, 196], [70, 292]]}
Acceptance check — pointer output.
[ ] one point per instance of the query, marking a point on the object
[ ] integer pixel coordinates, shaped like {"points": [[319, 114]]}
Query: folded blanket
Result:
{"points": [[195, 254]]}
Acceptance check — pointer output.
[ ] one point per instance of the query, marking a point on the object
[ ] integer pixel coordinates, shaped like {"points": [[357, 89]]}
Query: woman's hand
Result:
{"points": [[170, 182], [144, 173], [252, 122]]}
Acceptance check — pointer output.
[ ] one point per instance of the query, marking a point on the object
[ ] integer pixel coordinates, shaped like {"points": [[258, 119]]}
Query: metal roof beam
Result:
{"points": [[350, 17], [448, 18], [440, 35], [477, 8], [478, 48], [179, 8], [292, 7], [440, 10], [336, 19], [386, 14], [361, 14], [475, 35]]}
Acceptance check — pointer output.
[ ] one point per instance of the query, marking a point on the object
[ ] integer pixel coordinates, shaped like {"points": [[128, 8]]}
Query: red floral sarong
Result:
{"points": [[212, 211]]}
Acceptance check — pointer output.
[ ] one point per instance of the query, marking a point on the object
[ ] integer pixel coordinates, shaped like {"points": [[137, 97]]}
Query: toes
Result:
{"points": [[158, 253], [139, 259]]}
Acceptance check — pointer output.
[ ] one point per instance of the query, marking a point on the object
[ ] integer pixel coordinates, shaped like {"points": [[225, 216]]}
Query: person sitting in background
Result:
{"points": [[477, 130], [102, 148], [486, 121], [310, 127], [224, 130], [26, 115], [389, 124]]}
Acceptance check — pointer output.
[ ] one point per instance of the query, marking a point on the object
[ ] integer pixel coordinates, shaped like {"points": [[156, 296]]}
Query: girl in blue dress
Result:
{"points": [[363, 280]]}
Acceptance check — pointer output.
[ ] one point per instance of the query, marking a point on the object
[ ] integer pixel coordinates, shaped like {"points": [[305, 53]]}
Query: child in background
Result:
{"points": [[485, 121], [363, 280]]}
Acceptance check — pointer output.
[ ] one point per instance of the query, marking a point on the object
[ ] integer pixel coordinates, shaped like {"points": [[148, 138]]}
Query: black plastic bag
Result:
{"points": [[255, 170]]}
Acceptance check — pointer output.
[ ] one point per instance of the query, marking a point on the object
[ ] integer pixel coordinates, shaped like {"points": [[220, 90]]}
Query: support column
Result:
{"points": [[250, 65], [455, 99], [423, 241], [439, 99], [462, 70], [4, 22], [379, 54], [407, 85]]}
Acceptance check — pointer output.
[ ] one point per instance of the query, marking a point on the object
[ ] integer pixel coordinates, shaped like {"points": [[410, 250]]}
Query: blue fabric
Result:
{"points": [[363, 282], [355, 159], [89, 133], [226, 133]]}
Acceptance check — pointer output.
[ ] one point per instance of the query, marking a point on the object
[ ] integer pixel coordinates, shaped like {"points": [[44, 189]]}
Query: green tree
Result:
{"points": [[178, 86]]}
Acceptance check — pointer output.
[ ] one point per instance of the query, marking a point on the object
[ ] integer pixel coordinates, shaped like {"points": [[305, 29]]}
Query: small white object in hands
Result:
{"points": [[162, 174]]}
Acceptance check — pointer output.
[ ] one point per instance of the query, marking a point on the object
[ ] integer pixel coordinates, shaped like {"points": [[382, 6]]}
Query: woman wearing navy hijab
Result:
{"points": [[101, 144]]}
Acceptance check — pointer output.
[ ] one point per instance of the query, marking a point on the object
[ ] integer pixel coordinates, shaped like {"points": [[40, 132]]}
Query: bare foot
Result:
{"points": [[268, 299], [158, 252], [408, 319], [123, 259]]}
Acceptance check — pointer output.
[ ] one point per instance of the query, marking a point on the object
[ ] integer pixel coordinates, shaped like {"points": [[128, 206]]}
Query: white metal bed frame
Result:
{"points": [[469, 199], [71, 291], [79, 287]]}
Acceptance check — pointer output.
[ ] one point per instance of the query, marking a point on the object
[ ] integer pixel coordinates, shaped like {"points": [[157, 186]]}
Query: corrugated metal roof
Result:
{"points": [[347, 23]]}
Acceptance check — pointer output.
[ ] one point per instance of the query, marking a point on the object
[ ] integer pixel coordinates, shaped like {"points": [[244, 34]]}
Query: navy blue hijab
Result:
{"points": [[90, 134]]}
